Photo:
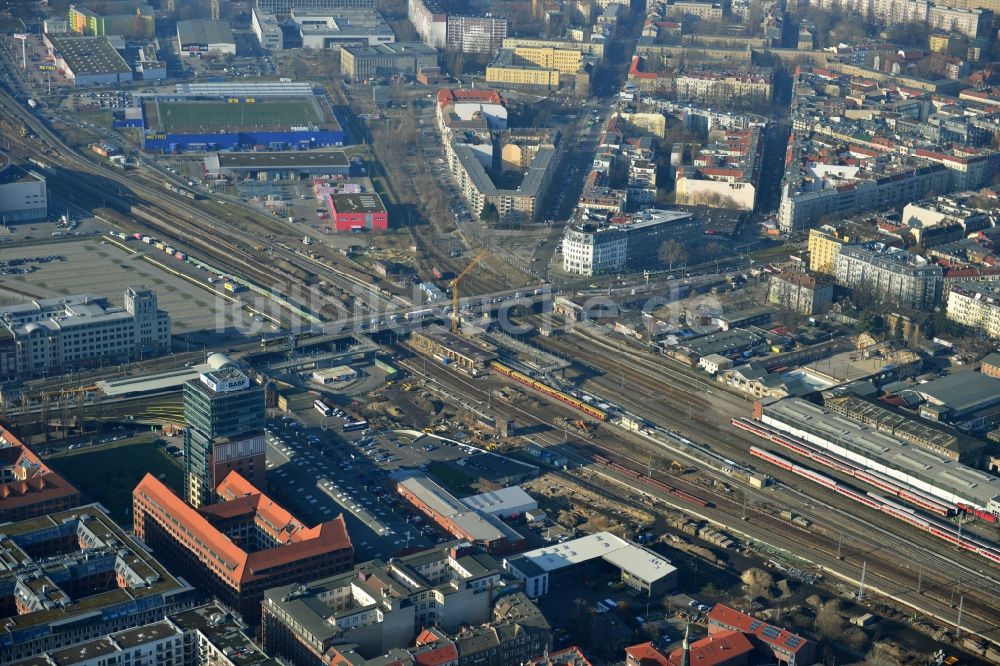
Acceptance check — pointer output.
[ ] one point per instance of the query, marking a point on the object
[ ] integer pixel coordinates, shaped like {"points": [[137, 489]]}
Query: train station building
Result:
{"points": [[443, 344]]}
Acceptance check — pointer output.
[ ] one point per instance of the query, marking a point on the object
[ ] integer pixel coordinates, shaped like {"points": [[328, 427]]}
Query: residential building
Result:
{"points": [[516, 634], [23, 194], [800, 292], [116, 17], [28, 487], [571, 656], [267, 29], [727, 89], [626, 243], [543, 569], [380, 606], [506, 70], [459, 520], [824, 245], [202, 636], [722, 174], [470, 110], [239, 547], [281, 9], [703, 9], [975, 305], [885, 11], [75, 575], [973, 23], [889, 275], [725, 648], [429, 21], [469, 157], [591, 48], [786, 647], [408, 58], [225, 417], [55, 335], [475, 34], [357, 212]]}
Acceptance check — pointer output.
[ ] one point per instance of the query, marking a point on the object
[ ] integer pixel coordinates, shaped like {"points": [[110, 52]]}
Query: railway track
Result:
{"points": [[869, 541], [185, 223]]}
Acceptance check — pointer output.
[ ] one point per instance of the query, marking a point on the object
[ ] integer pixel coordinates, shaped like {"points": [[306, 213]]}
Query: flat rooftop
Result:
{"points": [[498, 501], [367, 202], [640, 562], [933, 472], [204, 32], [89, 55], [456, 343], [395, 49], [284, 160], [161, 381]]}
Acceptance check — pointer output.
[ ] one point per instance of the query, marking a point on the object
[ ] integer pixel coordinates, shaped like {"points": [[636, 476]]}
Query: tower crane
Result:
{"points": [[454, 289]]}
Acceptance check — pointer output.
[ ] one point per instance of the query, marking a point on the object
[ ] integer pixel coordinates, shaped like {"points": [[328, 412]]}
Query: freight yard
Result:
{"points": [[404, 331]]}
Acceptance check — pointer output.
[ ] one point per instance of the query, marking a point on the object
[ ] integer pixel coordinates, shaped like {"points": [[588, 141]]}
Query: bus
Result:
{"points": [[356, 425], [322, 408]]}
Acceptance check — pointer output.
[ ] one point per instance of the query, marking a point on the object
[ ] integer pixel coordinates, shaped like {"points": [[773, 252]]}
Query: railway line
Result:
{"points": [[871, 542], [948, 570], [184, 223]]}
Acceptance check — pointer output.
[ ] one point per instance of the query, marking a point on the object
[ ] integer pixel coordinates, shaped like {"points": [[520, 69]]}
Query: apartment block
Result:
{"points": [[74, 576], [889, 275], [800, 292], [975, 305], [380, 606], [29, 488]]}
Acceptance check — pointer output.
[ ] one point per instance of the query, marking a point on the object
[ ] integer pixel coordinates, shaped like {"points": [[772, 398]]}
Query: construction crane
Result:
{"points": [[454, 289]]}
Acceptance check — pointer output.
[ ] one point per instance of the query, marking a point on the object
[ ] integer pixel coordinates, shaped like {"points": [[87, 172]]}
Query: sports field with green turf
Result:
{"points": [[222, 115]]}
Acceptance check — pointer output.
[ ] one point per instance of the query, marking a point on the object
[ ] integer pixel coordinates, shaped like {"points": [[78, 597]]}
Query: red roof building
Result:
{"points": [[241, 546], [726, 648], [571, 656], [357, 212], [787, 648], [28, 487]]}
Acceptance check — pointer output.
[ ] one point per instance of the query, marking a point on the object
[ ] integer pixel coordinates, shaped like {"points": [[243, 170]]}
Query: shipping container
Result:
{"points": [[181, 256], [169, 250], [147, 240], [137, 236], [159, 245]]}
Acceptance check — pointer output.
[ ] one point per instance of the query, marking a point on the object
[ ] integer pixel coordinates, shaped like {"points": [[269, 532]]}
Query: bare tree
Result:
{"points": [[672, 252]]}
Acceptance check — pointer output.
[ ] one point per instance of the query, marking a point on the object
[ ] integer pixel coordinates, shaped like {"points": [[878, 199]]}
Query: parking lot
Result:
{"points": [[321, 474], [91, 266]]}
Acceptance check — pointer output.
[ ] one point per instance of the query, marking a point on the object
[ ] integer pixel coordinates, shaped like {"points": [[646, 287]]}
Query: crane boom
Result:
{"points": [[454, 289]]}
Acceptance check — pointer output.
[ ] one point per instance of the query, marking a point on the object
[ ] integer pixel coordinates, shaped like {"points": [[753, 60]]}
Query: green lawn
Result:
{"points": [[223, 115], [108, 473]]}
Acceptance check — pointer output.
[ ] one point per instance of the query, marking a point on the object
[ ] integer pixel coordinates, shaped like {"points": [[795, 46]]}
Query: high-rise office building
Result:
{"points": [[225, 417]]}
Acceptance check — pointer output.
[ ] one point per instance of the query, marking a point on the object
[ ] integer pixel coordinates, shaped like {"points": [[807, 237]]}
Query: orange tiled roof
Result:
{"points": [[298, 542]]}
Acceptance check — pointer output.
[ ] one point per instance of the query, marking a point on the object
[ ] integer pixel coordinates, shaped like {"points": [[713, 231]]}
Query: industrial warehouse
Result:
{"points": [[458, 519], [545, 568]]}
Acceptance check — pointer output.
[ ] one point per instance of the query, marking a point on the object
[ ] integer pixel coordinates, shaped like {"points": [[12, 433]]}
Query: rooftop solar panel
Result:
{"points": [[793, 641], [771, 632], [755, 625]]}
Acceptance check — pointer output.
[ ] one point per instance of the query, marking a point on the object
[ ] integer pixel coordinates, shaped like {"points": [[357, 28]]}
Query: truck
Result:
{"points": [[32, 103]]}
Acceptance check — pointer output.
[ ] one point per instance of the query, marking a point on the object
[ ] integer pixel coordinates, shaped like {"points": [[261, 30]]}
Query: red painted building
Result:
{"points": [[785, 647], [357, 212]]}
